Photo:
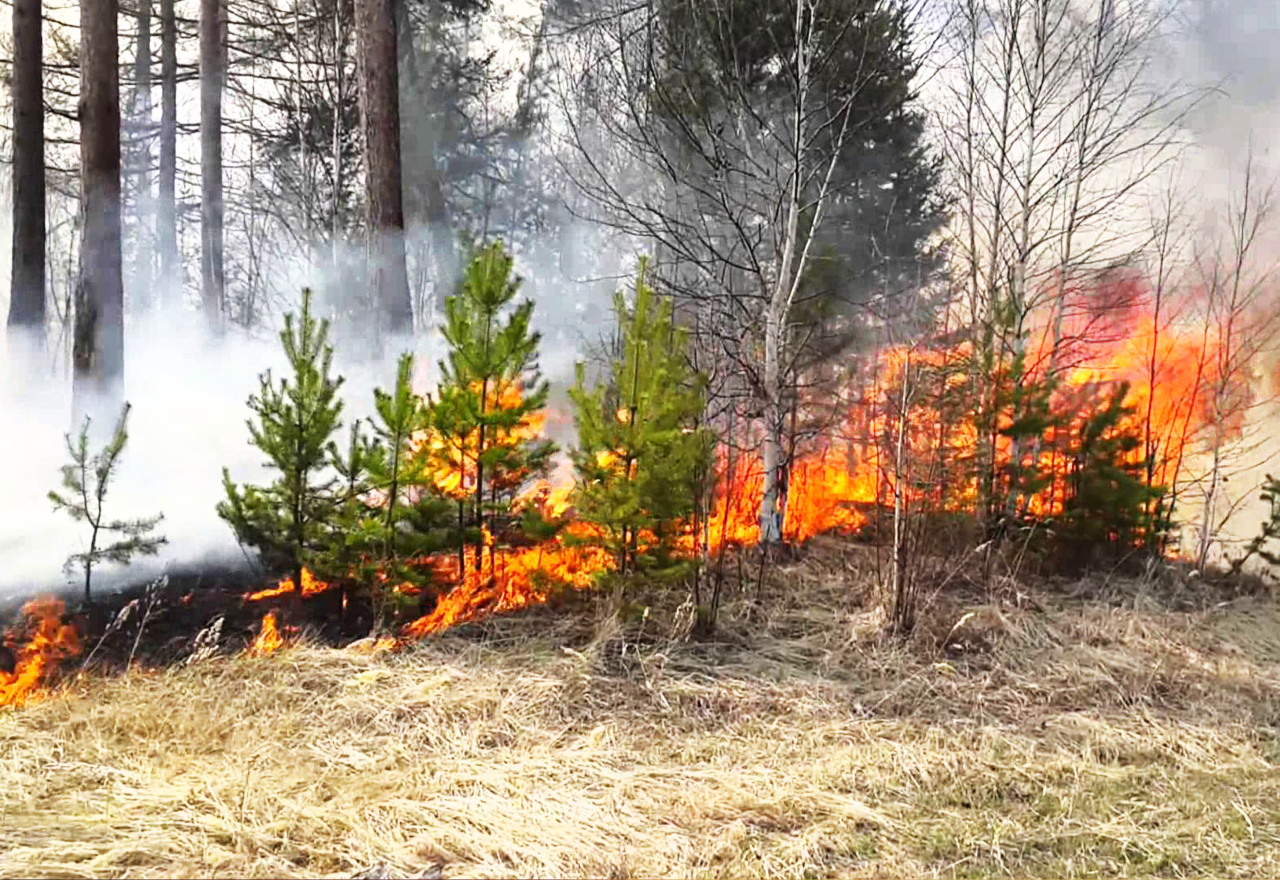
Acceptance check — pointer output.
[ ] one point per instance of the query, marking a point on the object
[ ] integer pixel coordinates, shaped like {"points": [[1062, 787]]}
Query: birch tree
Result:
{"points": [[1236, 277], [1052, 123], [752, 130]]}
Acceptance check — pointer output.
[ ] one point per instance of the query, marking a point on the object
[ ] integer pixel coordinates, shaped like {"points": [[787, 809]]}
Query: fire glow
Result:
{"points": [[45, 640], [311, 586], [838, 482]]}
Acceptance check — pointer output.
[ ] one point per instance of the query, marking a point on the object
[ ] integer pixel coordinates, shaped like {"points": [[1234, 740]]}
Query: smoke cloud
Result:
{"points": [[188, 392]]}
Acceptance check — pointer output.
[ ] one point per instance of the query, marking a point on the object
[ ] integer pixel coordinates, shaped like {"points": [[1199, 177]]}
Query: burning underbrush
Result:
{"points": [[1049, 734], [30, 651]]}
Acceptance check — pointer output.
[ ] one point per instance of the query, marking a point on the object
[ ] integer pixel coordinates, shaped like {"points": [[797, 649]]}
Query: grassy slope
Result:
{"points": [[1073, 740]]}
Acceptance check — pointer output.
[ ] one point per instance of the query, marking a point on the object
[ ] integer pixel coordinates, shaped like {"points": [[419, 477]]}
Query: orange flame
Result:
{"points": [[51, 641], [268, 640], [311, 586], [837, 481], [508, 579], [455, 471]]}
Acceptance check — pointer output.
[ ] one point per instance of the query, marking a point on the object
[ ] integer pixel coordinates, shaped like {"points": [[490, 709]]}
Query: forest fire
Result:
{"points": [[453, 460], [916, 420], [35, 648], [507, 579]]}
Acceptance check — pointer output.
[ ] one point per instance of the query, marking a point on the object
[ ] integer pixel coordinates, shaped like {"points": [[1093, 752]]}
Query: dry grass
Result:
{"points": [[1070, 739]]}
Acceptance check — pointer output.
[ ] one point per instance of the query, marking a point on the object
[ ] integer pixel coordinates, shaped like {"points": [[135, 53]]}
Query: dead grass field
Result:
{"points": [[1073, 738]]}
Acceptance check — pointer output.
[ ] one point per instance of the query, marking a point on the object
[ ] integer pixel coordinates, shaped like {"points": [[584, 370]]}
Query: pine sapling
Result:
{"points": [[289, 521], [391, 514], [483, 441], [85, 482], [639, 444]]}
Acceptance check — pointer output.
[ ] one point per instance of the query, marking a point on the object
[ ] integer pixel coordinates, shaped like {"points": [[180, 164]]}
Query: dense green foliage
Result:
{"points": [[484, 437], [289, 520], [1108, 504], [639, 445], [390, 516]]}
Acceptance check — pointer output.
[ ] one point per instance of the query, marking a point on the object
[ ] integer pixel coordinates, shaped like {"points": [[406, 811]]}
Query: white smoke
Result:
{"points": [[188, 393]]}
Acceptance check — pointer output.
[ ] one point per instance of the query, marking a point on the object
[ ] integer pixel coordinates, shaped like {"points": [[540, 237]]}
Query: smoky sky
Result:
{"points": [[1231, 45], [1237, 40]]}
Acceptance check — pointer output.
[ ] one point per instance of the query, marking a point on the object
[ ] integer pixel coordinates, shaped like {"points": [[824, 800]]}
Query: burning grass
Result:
{"points": [[1049, 737]]}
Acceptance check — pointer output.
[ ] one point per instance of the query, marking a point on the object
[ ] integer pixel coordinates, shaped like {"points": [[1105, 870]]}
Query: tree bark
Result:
{"points": [[145, 255], [27, 291], [380, 103], [98, 345], [435, 207], [212, 80], [167, 210]]}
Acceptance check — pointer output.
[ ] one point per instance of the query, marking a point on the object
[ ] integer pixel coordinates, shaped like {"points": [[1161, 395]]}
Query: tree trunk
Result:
{"points": [[27, 293], [380, 102], [143, 210], [212, 76], [436, 208], [98, 347], [167, 213], [771, 453], [775, 326]]}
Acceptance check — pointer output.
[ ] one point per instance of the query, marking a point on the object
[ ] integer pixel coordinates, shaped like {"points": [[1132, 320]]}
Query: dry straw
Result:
{"points": [[1067, 738]]}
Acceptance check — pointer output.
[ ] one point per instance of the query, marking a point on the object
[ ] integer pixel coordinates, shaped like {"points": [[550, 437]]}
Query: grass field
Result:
{"points": [[1071, 737]]}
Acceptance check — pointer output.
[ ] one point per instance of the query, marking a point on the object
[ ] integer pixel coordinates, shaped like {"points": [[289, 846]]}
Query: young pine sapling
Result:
{"points": [[85, 482], [639, 444], [391, 514], [289, 520]]}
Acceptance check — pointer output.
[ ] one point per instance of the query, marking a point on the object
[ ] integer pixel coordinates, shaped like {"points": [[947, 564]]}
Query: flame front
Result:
{"points": [[47, 641], [841, 477]]}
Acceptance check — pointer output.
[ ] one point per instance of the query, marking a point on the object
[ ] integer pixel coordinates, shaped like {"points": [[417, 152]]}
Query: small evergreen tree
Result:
{"points": [[391, 517], [341, 555], [1108, 499], [639, 448], [85, 481], [1269, 531], [289, 520], [483, 443]]}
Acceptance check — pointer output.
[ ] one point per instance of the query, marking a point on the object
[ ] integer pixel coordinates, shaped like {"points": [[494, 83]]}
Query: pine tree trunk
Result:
{"points": [[380, 103], [167, 210], [27, 291], [98, 345], [143, 209], [212, 76], [443, 248]]}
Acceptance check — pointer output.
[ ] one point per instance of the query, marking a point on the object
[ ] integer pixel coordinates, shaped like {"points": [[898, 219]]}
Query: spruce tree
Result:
{"points": [[483, 443], [85, 482], [639, 448], [288, 521]]}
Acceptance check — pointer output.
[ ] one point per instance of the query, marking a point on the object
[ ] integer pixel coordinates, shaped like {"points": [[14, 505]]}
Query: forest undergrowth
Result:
{"points": [[1064, 729]]}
